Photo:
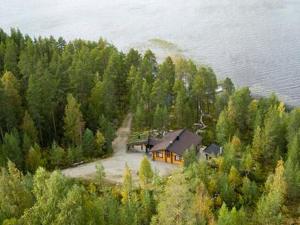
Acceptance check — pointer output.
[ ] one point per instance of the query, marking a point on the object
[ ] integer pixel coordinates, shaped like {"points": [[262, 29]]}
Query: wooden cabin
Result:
{"points": [[171, 147]]}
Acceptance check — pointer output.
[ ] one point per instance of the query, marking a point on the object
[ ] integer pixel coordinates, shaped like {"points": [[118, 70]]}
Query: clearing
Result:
{"points": [[114, 165]]}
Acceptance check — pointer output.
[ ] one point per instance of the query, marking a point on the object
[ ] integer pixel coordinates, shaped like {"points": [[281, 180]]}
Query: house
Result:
{"points": [[213, 150], [172, 146]]}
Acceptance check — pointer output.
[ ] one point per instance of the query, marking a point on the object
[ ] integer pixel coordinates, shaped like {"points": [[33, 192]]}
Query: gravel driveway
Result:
{"points": [[114, 166]]}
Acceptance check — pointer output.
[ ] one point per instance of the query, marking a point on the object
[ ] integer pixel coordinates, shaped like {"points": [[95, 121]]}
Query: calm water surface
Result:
{"points": [[255, 42]]}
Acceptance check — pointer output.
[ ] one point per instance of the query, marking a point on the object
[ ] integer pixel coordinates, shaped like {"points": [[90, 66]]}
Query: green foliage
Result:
{"points": [[13, 108], [100, 175], [11, 148], [269, 206], [233, 217], [99, 142], [190, 157], [34, 158], [160, 118], [292, 171], [175, 201], [15, 194], [57, 156], [88, 142], [55, 86], [145, 172], [127, 185], [73, 121]]}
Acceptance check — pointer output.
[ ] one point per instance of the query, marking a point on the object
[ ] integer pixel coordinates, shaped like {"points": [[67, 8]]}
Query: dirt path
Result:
{"points": [[114, 166]]}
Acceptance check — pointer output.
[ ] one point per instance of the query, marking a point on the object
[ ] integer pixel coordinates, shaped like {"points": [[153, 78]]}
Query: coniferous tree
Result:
{"points": [[145, 172], [88, 143], [96, 104], [149, 66], [15, 194], [174, 201], [160, 118], [33, 158], [99, 141], [11, 148], [269, 206], [73, 121], [292, 171], [13, 109], [11, 56]]}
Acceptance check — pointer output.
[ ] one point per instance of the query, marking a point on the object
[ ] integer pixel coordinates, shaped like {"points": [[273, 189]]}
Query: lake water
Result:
{"points": [[255, 42]]}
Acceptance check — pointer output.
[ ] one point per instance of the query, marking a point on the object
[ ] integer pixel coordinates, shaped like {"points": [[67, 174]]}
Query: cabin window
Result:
{"points": [[168, 154], [178, 158], [159, 154]]}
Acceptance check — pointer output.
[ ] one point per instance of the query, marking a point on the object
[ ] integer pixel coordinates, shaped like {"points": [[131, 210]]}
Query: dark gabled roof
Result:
{"points": [[153, 141], [177, 141], [213, 149]]}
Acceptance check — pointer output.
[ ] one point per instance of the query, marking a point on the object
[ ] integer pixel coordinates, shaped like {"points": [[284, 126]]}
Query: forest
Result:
{"points": [[62, 101]]}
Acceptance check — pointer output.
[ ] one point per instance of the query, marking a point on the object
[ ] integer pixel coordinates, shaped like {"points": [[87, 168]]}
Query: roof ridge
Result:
{"points": [[172, 142]]}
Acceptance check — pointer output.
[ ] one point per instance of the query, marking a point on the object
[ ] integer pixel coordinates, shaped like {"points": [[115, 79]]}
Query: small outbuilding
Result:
{"points": [[213, 150]]}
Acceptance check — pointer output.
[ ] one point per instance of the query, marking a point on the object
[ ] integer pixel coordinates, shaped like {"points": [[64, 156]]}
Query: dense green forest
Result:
{"points": [[61, 103]]}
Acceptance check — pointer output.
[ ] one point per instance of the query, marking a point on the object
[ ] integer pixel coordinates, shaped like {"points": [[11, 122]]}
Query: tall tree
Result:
{"points": [[175, 201], [96, 104], [145, 172], [13, 108], [15, 194], [41, 98], [182, 109], [269, 206], [127, 185], [11, 56], [11, 148], [160, 118], [149, 66], [73, 121], [292, 172]]}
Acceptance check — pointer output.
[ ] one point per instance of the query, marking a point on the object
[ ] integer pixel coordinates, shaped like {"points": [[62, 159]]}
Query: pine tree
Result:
{"points": [[175, 201], [99, 141], [72, 210], [149, 66], [88, 144], [160, 118], [182, 108], [100, 175], [13, 109], [108, 131], [136, 84], [133, 59], [232, 217], [96, 104], [15, 194], [293, 124], [224, 128], [28, 127], [11, 56], [269, 206], [198, 95], [33, 158], [166, 74], [73, 121], [203, 207], [145, 172], [292, 172], [11, 148], [127, 185]]}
